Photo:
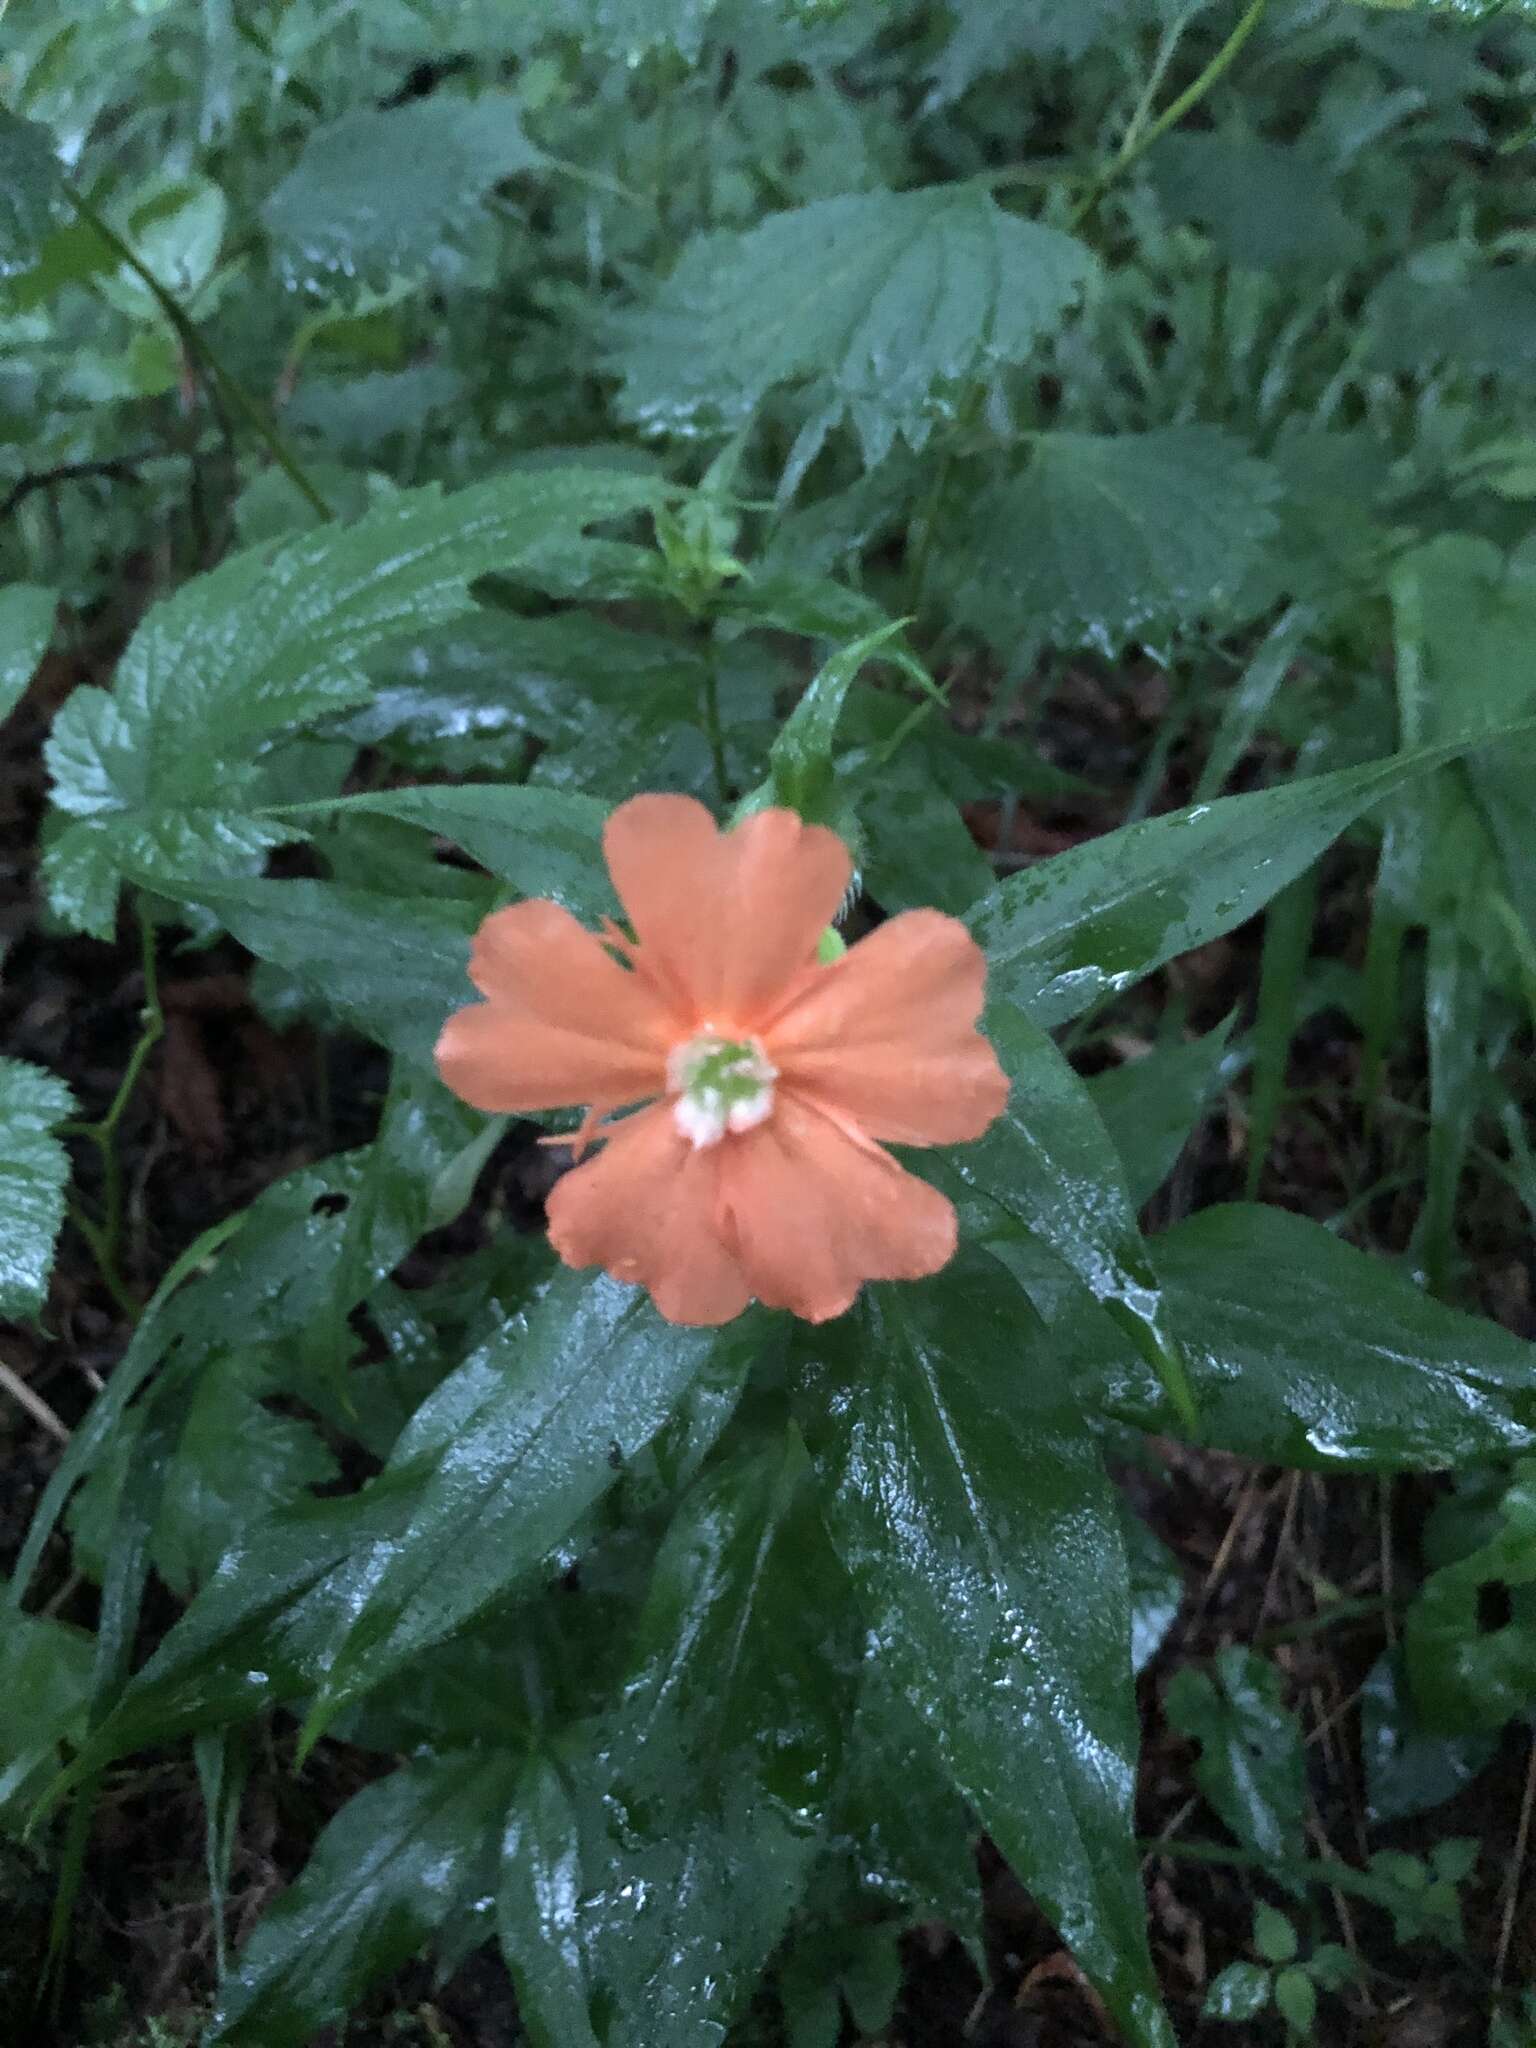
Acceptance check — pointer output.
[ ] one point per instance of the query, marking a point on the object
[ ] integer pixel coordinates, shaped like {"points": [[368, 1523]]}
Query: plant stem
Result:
{"points": [[103, 1237], [1140, 135], [713, 729], [220, 380]]}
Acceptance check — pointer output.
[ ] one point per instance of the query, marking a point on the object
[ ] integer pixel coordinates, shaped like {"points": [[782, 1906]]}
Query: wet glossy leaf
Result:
{"points": [[31, 192], [1410, 1768], [1157, 1589], [540, 842], [163, 776], [1151, 1106], [1240, 1992], [1470, 1636], [1049, 1162], [536, 1414], [27, 614], [1105, 537], [621, 1911], [1251, 1765], [45, 1685], [1092, 922], [389, 1870], [986, 1550], [34, 1171], [1305, 1352], [917, 848], [345, 214], [391, 970], [881, 303]]}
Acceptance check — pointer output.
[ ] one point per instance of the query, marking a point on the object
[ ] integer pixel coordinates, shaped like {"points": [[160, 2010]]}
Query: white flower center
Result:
{"points": [[720, 1084]]}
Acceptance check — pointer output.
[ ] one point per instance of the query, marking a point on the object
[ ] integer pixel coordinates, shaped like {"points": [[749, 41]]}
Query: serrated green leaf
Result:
{"points": [[26, 627], [1305, 1352], [1106, 537], [162, 776], [881, 303], [381, 191], [1251, 1765], [985, 1547], [387, 1872], [1267, 204], [31, 192], [539, 1408], [1090, 923], [34, 1171], [991, 35]]}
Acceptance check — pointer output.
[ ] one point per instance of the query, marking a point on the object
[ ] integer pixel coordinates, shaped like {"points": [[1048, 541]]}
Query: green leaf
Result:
{"points": [[26, 627], [392, 970], [1240, 1992], [800, 759], [34, 1171], [1152, 1105], [884, 304], [1092, 922], [1410, 1768], [1296, 2000], [993, 35], [1251, 1766], [1266, 204], [540, 842], [1273, 1934], [619, 1910], [31, 192], [1049, 1162], [174, 225], [163, 775], [236, 1461], [383, 190], [917, 848], [400, 1858], [538, 1411], [1463, 10], [1157, 1589], [986, 1551], [45, 1687], [1105, 537], [1470, 1636], [1305, 1352]]}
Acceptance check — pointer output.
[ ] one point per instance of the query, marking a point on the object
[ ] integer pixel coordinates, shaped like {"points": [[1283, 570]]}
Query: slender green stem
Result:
{"points": [[713, 729], [1139, 139], [103, 1237], [201, 353], [1320, 1870]]}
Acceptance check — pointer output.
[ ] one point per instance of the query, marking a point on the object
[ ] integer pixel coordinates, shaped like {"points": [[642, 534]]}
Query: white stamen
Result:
{"points": [[720, 1084]]}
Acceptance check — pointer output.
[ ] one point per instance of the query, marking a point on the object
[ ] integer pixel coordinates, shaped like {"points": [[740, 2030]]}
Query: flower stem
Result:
{"points": [[1141, 134]]}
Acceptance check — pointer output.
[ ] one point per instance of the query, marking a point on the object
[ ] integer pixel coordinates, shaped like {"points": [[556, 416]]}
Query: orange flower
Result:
{"points": [[756, 1170]]}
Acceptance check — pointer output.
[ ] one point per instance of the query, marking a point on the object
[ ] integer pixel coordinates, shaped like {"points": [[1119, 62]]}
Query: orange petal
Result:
{"points": [[724, 920], [886, 1036], [565, 1023], [646, 1209], [814, 1214]]}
